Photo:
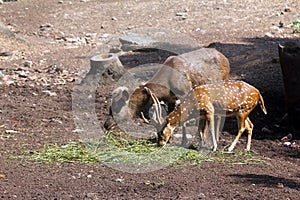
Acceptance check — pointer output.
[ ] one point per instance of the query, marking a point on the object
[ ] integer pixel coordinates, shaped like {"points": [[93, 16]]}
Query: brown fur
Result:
{"points": [[182, 74], [141, 101], [228, 98]]}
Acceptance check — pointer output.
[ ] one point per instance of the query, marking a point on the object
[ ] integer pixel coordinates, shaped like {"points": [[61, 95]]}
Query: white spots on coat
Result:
{"points": [[233, 97]]}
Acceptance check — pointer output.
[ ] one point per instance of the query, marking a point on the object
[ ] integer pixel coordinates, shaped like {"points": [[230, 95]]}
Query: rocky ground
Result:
{"points": [[44, 51]]}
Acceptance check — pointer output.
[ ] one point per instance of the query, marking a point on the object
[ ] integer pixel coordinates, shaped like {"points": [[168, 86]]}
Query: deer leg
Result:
{"points": [[249, 128], [211, 118], [184, 138], [241, 127], [202, 130], [218, 127]]}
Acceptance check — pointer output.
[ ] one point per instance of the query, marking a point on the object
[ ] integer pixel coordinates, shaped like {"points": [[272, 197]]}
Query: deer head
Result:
{"points": [[150, 94]]}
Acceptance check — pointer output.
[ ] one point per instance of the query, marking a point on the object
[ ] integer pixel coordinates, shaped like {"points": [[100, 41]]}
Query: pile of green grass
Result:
{"points": [[70, 152], [119, 151]]}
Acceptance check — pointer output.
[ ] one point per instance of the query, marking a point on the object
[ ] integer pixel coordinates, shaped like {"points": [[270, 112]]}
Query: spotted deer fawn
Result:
{"points": [[227, 98]]}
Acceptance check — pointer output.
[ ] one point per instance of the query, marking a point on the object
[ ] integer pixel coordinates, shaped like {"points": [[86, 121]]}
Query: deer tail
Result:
{"points": [[262, 104]]}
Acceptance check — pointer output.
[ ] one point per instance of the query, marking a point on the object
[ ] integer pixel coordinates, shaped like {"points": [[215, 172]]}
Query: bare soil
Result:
{"points": [[57, 37]]}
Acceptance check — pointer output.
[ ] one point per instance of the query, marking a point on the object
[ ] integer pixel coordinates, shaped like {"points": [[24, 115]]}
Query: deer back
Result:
{"points": [[229, 97]]}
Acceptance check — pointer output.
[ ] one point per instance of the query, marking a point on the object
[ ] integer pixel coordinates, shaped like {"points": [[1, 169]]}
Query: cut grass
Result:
{"points": [[133, 154], [70, 152], [296, 26]]}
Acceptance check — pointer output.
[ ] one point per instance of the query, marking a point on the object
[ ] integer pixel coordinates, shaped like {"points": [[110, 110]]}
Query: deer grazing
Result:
{"points": [[174, 80], [178, 76], [227, 98]]}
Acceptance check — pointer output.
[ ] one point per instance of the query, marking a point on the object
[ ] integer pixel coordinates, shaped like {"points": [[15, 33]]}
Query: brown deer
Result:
{"points": [[227, 98], [178, 76], [173, 81]]}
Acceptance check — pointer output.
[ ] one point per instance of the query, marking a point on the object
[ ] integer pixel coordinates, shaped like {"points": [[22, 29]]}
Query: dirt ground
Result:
{"points": [[41, 57]]}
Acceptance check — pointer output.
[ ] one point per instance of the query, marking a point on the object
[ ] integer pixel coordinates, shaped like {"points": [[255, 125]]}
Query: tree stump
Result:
{"points": [[105, 69], [289, 55]]}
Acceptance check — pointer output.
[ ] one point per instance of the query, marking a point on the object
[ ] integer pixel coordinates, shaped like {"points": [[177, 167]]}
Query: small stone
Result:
{"points": [[114, 19], [60, 35], [60, 2], [1, 2], [11, 131], [105, 35], [201, 196], [27, 63], [280, 185], [281, 24], [119, 179], [287, 144], [287, 9], [47, 25], [180, 14], [71, 40], [49, 93], [23, 74], [268, 34], [6, 53]]}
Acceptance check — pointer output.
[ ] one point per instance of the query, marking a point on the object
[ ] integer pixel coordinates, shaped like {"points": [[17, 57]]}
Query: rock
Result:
{"points": [[2, 175], [6, 53], [181, 14], [119, 179], [280, 24], [23, 74], [105, 35], [287, 9], [49, 93], [27, 63], [60, 35], [11, 131], [280, 185], [268, 34], [162, 39], [47, 25]]}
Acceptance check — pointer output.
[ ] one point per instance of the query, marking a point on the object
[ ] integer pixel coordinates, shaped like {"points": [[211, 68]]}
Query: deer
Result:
{"points": [[226, 98], [172, 82], [179, 75], [175, 79]]}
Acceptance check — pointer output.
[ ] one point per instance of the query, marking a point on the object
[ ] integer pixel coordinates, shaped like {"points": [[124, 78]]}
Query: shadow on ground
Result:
{"points": [[267, 180]]}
